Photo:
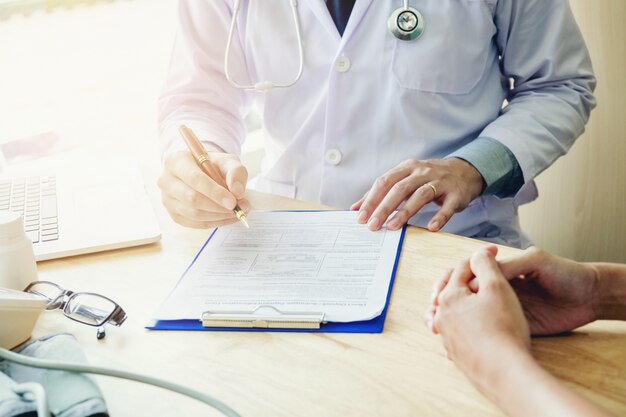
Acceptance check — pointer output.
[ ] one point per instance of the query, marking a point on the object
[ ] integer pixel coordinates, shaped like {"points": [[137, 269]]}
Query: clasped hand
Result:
{"points": [[451, 183], [483, 306]]}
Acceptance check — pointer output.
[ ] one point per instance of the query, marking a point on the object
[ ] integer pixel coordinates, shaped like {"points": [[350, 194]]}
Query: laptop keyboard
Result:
{"points": [[35, 198]]}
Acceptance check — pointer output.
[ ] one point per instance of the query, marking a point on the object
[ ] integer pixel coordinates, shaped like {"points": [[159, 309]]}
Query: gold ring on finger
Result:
{"points": [[432, 187]]}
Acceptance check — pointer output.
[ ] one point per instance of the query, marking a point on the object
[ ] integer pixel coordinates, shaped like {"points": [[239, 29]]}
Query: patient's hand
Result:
{"points": [[485, 333], [556, 293], [478, 326]]}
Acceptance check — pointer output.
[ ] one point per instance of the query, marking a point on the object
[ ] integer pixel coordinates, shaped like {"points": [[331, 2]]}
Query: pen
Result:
{"points": [[202, 159]]}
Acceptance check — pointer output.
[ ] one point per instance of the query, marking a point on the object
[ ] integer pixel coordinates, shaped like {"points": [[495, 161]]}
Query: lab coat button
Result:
{"points": [[333, 156], [342, 64]]}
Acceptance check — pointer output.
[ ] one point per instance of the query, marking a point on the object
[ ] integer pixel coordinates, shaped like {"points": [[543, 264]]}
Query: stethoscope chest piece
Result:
{"points": [[406, 23]]}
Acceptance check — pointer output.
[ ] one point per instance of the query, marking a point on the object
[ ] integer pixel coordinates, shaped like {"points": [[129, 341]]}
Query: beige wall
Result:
{"points": [[581, 211]]}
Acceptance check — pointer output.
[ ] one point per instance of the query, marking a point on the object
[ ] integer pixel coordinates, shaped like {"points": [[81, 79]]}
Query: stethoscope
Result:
{"points": [[405, 23]]}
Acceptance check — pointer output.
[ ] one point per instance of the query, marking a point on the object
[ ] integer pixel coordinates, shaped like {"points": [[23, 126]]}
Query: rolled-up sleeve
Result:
{"points": [[497, 165], [196, 91], [544, 55]]}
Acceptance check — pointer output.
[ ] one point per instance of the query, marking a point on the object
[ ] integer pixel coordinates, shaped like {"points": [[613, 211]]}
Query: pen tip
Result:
{"points": [[242, 217]]}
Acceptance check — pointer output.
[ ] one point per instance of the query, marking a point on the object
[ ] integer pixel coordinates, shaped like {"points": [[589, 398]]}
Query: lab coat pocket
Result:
{"points": [[454, 51]]}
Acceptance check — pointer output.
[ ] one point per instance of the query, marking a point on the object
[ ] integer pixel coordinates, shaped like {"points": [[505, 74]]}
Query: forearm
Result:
{"points": [[543, 51], [610, 295], [522, 388], [196, 92]]}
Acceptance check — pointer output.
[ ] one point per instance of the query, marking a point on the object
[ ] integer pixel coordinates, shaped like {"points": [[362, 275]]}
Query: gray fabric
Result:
{"points": [[69, 394], [501, 173], [12, 404]]}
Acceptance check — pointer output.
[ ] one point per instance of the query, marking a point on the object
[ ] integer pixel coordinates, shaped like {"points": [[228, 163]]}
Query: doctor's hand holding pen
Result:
{"points": [[195, 199], [451, 183]]}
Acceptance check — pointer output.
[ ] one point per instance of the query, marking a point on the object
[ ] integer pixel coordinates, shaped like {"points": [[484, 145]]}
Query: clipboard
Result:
{"points": [[270, 319]]}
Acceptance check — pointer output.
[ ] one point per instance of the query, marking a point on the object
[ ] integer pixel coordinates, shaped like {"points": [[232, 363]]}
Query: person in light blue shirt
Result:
{"points": [[449, 127]]}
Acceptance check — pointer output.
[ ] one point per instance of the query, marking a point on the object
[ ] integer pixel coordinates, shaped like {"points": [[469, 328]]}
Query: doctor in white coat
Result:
{"points": [[447, 122]]}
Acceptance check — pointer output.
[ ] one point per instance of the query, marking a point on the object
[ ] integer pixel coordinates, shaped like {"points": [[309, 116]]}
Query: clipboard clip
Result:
{"points": [[262, 317]]}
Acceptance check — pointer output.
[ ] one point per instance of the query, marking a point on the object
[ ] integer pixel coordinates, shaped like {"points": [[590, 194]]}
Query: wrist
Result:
{"points": [[609, 298], [518, 384], [523, 388], [499, 366], [470, 175]]}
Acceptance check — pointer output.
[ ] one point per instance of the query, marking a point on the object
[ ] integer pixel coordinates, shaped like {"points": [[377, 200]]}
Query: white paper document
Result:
{"points": [[298, 262]]}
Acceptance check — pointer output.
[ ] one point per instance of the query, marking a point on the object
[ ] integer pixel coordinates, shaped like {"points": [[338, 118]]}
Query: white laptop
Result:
{"points": [[81, 205]]}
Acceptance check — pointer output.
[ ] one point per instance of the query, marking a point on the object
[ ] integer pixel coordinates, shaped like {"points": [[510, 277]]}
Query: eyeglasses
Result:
{"points": [[84, 307]]}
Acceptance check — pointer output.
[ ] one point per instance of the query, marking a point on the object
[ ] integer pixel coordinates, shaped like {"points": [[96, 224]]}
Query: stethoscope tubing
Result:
{"points": [[117, 373], [269, 85], [263, 85]]}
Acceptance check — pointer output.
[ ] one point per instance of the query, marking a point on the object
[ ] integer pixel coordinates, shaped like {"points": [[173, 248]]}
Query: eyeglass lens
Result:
{"points": [[48, 290]]}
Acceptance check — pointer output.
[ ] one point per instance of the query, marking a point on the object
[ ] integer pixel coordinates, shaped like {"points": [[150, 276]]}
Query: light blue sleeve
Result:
{"points": [[501, 173], [544, 57]]}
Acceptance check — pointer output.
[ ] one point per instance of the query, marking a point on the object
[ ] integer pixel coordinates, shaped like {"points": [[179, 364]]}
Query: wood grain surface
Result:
{"points": [[401, 372], [70, 73]]}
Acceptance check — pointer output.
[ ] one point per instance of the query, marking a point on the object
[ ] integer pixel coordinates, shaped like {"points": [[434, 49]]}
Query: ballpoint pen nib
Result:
{"points": [[242, 217], [245, 222]]}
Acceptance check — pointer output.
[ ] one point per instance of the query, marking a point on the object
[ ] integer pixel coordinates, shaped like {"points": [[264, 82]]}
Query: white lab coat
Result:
{"points": [[368, 101]]}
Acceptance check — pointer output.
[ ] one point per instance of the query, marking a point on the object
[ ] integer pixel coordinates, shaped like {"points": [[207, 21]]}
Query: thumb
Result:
{"points": [[522, 264], [485, 268], [473, 284]]}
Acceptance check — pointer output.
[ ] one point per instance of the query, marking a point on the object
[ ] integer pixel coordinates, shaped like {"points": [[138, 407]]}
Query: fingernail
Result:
{"points": [[433, 295], [244, 205], [238, 189], [373, 223], [228, 202], [362, 217], [434, 225], [393, 224]]}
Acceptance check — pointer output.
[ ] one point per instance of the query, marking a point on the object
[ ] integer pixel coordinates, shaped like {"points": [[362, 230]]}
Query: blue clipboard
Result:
{"points": [[374, 325]]}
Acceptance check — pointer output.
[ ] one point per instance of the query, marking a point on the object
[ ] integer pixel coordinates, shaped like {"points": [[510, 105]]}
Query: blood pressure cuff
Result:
{"points": [[68, 394]]}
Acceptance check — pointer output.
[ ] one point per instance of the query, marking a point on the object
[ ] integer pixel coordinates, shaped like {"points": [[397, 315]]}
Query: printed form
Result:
{"points": [[307, 262]]}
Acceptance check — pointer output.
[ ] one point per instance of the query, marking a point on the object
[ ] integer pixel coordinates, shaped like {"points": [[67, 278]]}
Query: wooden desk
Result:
{"points": [[401, 372]]}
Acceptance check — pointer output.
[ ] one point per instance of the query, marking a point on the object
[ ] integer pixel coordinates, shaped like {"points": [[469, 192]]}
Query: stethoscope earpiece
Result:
{"points": [[406, 23]]}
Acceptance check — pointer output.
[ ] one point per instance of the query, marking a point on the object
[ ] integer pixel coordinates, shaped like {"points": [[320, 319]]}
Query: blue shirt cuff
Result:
{"points": [[498, 166]]}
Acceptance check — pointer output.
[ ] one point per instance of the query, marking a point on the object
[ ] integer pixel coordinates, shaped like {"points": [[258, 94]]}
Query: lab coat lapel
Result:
{"points": [[356, 16], [318, 7]]}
